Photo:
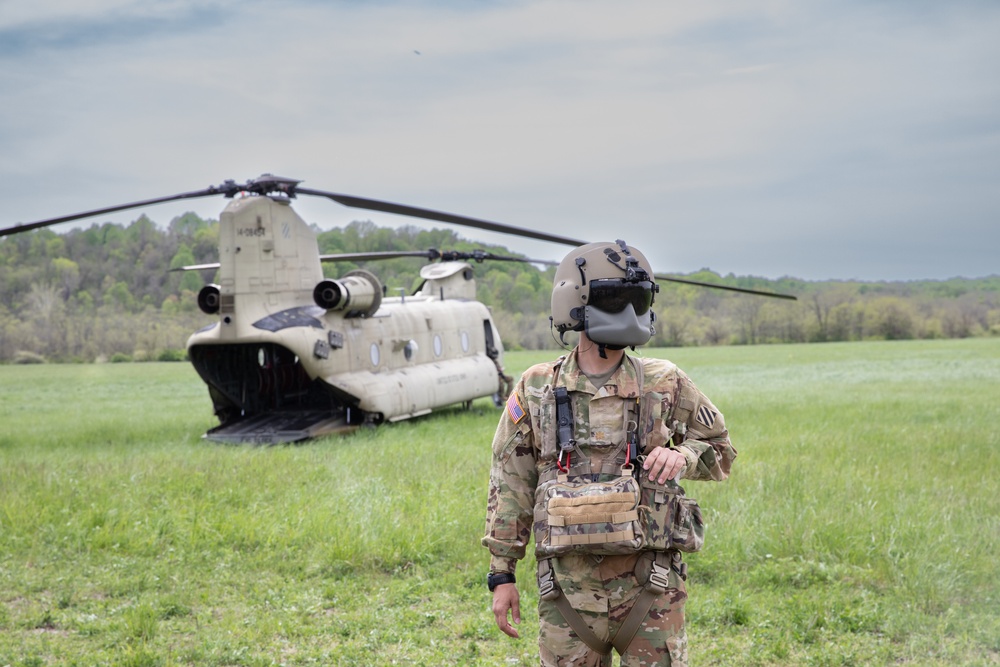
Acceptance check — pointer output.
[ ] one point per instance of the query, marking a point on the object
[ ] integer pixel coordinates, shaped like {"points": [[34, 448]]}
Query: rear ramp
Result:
{"points": [[273, 428]]}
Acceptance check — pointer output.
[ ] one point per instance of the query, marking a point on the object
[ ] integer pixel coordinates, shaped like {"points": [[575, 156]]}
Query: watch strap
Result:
{"points": [[495, 579]]}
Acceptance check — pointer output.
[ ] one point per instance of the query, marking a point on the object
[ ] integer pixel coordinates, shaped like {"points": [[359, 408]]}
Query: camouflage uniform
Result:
{"points": [[525, 453]]}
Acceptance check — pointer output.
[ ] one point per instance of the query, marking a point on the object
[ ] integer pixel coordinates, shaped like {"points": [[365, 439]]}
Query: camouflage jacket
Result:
{"points": [[671, 412]]}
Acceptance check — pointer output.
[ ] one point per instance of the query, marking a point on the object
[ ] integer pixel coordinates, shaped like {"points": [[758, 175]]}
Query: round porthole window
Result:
{"points": [[437, 345], [465, 342], [410, 350], [374, 354]]}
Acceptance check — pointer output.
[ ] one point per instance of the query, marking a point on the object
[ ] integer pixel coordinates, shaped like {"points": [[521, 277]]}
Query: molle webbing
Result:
{"points": [[580, 519], [626, 535], [614, 508], [570, 504]]}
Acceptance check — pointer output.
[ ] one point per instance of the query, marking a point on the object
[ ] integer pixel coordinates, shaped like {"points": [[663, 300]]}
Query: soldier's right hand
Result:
{"points": [[665, 462], [506, 598]]}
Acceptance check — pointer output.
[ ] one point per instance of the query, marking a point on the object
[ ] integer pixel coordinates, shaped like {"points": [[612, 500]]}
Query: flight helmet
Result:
{"points": [[606, 290]]}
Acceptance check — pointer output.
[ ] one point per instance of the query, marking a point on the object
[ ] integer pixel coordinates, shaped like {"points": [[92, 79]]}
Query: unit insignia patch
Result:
{"points": [[706, 416]]}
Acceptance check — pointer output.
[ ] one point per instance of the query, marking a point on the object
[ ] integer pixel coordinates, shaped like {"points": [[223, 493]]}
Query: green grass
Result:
{"points": [[860, 525]]}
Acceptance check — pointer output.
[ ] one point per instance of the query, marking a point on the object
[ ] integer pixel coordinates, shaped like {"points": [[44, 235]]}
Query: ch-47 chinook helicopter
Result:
{"points": [[293, 355]]}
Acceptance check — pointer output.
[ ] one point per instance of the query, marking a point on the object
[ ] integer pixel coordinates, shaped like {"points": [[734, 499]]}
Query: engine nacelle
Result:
{"points": [[359, 293], [208, 299]]}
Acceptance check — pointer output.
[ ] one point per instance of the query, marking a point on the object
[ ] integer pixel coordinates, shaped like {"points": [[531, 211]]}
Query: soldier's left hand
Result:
{"points": [[664, 463]]}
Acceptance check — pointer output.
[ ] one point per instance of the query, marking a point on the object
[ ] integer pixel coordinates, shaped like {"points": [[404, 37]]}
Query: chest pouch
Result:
{"points": [[600, 518], [670, 519]]}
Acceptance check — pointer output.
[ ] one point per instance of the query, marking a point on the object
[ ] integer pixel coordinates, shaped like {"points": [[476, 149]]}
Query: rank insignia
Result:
{"points": [[514, 409], [706, 416]]}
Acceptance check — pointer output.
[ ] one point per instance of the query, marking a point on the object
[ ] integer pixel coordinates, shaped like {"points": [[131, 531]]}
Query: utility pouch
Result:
{"points": [[600, 518], [670, 520]]}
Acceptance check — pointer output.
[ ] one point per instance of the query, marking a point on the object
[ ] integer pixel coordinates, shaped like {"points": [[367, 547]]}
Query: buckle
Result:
{"points": [[659, 579], [547, 587]]}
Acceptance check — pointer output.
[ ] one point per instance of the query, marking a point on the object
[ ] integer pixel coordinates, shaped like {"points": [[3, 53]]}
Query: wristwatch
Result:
{"points": [[494, 579]]}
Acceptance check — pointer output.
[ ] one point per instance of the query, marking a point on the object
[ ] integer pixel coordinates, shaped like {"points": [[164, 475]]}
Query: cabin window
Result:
{"points": [[465, 341], [374, 354], [437, 345]]}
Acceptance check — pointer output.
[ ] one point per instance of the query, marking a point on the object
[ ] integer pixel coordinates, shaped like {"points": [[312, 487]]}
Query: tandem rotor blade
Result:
{"points": [[480, 256], [27, 227], [432, 254], [268, 184], [730, 288], [377, 255], [428, 214]]}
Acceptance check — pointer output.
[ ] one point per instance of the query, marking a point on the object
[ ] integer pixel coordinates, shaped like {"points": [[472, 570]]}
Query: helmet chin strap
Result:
{"points": [[603, 347]]}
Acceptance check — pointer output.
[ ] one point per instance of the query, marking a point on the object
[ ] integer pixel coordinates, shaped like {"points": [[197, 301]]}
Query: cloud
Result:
{"points": [[748, 137]]}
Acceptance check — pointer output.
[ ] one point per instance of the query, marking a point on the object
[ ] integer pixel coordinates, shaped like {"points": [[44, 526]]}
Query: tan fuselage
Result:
{"points": [[400, 357]]}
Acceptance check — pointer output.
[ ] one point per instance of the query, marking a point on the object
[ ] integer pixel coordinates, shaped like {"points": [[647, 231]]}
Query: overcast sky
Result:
{"points": [[825, 139]]}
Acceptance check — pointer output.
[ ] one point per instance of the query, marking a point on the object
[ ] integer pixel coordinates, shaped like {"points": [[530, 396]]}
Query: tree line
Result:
{"points": [[105, 292]]}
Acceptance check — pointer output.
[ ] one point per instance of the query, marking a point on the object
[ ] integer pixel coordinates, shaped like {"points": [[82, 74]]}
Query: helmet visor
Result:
{"points": [[612, 295]]}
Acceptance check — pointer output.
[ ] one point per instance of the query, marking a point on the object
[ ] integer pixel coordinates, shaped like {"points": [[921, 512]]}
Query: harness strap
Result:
{"points": [[659, 582], [549, 590], [636, 437], [655, 586]]}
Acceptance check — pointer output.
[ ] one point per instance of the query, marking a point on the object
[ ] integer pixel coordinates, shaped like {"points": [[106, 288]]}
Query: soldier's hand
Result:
{"points": [[664, 463], [506, 598]]}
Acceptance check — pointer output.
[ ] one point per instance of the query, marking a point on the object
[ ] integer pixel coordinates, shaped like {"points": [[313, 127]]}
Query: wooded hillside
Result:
{"points": [[106, 292]]}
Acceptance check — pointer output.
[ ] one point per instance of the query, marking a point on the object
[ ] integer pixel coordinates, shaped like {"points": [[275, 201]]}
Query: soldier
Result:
{"points": [[586, 456]]}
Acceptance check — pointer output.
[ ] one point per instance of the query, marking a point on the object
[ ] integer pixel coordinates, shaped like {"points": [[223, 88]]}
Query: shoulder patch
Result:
{"points": [[514, 409], [706, 416]]}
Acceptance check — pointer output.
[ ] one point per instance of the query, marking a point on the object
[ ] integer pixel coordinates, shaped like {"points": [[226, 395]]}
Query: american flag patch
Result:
{"points": [[514, 409], [706, 416]]}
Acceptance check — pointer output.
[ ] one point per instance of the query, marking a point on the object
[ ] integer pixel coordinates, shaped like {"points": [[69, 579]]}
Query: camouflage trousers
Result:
{"points": [[602, 591]]}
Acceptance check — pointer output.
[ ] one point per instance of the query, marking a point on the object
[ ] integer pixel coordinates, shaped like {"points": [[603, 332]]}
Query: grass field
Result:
{"points": [[860, 526]]}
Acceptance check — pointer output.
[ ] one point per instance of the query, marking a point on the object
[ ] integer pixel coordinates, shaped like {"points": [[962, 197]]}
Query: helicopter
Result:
{"points": [[293, 355]]}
